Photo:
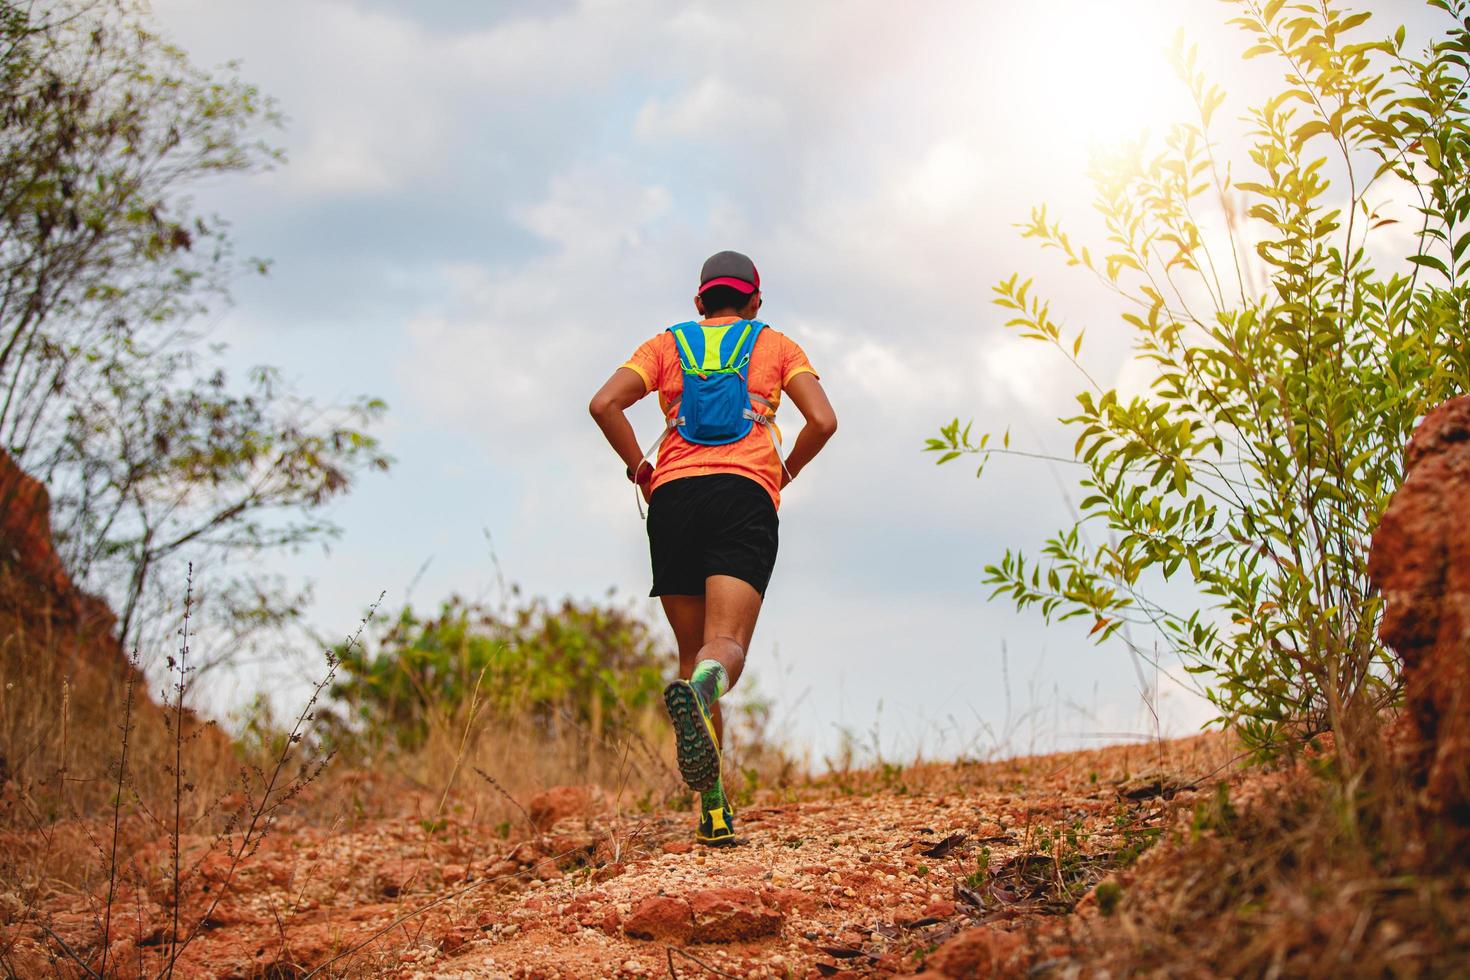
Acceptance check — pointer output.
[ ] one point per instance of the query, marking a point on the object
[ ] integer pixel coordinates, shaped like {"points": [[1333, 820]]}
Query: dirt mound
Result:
{"points": [[1421, 563], [25, 528], [66, 679], [36, 590]]}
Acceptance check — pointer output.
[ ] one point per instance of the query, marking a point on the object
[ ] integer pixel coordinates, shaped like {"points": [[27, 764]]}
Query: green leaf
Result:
{"points": [[1430, 262]]}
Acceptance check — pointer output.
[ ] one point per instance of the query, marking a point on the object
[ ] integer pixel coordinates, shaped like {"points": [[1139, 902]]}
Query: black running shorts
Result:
{"points": [[721, 524]]}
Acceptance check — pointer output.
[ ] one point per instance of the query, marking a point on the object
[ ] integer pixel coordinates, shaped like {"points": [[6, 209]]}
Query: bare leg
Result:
{"points": [[731, 608], [686, 615], [715, 626]]}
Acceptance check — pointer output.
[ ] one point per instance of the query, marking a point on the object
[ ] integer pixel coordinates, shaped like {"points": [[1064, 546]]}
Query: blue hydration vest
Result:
{"points": [[715, 408]]}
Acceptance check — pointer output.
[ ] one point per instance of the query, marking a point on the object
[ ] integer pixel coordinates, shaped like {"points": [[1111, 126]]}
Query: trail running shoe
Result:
{"points": [[694, 737], [716, 826]]}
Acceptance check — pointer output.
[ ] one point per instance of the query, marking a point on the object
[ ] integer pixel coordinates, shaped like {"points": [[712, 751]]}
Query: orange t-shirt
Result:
{"points": [[774, 361]]}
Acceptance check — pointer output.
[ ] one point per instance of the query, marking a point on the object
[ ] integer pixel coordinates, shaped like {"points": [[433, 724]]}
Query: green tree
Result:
{"points": [[1289, 359], [108, 391]]}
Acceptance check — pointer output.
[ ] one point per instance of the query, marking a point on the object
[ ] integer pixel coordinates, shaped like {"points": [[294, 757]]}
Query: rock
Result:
{"points": [[609, 871], [978, 952], [231, 912], [28, 555], [560, 802], [1149, 785], [25, 528], [660, 917], [502, 868], [526, 852], [217, 867], [382, 912], [393, 878], [788, 900], [1420, 562], [679, 847], [726, 915], [457, 938]]}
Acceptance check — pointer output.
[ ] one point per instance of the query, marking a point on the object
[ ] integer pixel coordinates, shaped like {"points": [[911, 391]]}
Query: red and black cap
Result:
{"points": [[729, 269]]}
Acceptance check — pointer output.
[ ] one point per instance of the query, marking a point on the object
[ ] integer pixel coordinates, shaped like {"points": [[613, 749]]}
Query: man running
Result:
{"points": [[713, 494]]}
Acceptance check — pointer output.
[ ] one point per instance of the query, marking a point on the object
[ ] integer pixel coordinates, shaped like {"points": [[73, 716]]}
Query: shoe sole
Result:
{"points": [[716, 841], [699, 756]]}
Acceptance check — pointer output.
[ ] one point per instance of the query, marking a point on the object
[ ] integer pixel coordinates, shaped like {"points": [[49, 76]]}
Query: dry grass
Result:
{"points": [[113, 797], [628, 755], [1305, 871], [63, 694]]}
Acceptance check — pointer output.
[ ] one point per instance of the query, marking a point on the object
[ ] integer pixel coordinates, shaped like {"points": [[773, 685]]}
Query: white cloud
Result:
{"points": [[947, 178], [339, 163], [712, 110], [512, 354], [590, 213]]}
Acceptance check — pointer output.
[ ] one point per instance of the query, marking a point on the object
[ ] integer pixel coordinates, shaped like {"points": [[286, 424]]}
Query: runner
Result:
{"points": [[713, 494]]}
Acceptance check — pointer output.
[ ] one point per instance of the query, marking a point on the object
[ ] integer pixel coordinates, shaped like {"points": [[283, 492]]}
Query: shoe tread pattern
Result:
{"points": [[699, 757]]}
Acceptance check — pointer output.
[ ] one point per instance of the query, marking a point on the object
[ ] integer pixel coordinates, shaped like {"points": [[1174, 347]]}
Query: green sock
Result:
{"points": [[710, 680], [713, 799]]}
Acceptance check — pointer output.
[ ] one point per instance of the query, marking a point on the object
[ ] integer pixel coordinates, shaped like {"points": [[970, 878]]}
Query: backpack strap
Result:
{"points": [[767, 421], [670, 424]]}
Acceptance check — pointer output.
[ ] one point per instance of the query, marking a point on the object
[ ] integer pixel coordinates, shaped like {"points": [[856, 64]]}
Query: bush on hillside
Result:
{"points": [[1296, 313], [577, 664]]}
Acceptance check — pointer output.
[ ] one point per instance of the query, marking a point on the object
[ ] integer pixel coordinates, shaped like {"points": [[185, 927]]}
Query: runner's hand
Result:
{"points": [[644, 479]]}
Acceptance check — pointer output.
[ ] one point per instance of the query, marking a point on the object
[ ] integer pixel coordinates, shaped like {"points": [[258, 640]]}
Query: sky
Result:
{"points": [[488, 206]]}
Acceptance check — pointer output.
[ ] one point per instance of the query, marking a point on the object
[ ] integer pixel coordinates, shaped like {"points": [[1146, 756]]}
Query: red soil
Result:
{"points": [[831, 881]]}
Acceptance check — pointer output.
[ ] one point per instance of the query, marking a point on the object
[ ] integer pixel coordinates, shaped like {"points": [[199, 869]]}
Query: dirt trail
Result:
{"points": [[864, 876]]}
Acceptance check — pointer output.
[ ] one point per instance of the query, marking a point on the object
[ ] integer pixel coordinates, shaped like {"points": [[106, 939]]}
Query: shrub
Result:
{"points": [[579, 665], [1289, 358]]}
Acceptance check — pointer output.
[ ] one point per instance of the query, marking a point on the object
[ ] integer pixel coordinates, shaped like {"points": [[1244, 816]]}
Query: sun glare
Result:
{"points": [[1105, 73]]}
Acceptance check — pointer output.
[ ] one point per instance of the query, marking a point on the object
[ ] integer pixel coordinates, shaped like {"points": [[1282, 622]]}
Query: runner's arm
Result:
{"points": [[821, 422], [621, 390]]}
